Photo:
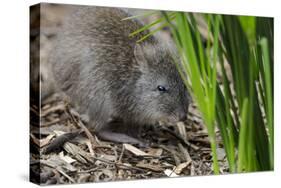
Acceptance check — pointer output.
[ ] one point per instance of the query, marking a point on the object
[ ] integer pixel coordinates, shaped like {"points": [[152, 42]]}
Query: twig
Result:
{"points": [[185, 152], [174, 154], [52, 122], [83, 127], [88, 171], [52, 109], [121, 155], [118, 164], [61, 140], [180, 138], [59, 170]]}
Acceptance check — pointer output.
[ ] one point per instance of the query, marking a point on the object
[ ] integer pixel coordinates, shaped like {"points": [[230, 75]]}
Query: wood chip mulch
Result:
{"points": [[180, 150]]}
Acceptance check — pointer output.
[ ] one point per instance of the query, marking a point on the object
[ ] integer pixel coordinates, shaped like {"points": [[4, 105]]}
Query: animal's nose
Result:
{"points": [[182, 116]]}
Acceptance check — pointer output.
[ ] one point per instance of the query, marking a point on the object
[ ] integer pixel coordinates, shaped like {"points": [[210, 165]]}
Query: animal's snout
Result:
{"points": [[182, 116]]}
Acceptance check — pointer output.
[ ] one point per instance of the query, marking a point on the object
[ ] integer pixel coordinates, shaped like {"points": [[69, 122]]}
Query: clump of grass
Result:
{"points": [[240, 105]]}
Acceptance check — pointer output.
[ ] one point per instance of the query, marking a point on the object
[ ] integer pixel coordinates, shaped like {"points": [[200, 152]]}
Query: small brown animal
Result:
{"points": [[119, 83]]}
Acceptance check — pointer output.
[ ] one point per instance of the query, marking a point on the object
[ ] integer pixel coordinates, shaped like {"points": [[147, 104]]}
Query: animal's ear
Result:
{"points": [[139, 53], [143, 53]]}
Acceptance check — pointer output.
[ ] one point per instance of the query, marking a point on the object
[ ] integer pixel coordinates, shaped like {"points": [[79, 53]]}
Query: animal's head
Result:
{"points": [[161, 93]]}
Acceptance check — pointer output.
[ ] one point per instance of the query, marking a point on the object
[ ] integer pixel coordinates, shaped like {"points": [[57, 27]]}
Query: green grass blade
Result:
{"points": [[269, 96], [243, 137]]}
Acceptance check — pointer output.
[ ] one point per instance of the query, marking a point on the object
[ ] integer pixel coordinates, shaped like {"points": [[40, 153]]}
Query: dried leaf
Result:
{"points": [[55, 161], [166, 164], [89, 145], [66, 158], [184, 152], [35, 140], [155, 168], [170, 173], [155, 152], [192, 169], [46, 141], [182, 130], [78, 153], [134, 150], [109, 157], [59, 107], [181, 166], [59, 133]]}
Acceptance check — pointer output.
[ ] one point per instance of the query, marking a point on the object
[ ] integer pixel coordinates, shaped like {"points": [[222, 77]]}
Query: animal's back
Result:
{"points": [[112, 79], [93, 50]]}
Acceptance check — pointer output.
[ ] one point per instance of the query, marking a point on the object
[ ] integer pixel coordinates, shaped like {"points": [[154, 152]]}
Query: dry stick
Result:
{"points": [[121, 155], [61, 140], [176, 158], [185, 152], [118, 164], [59, 170], [180, 138], [89, 145], [55, 98], [35, 140], [192, 170], [187, 158], [46, 124], [78, 153], [205, 141], [93, 142], [194, 114], [88, 171], [52, 109], [83, 127], [52, 122], [115, 152]]}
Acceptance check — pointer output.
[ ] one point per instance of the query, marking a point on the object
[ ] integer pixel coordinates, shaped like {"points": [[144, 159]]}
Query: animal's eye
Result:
{"points": [[161, 88]]}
